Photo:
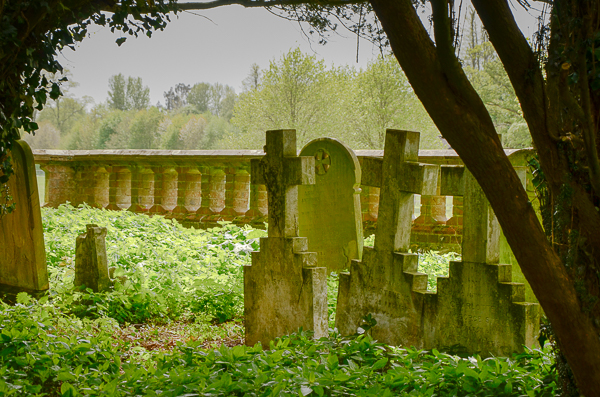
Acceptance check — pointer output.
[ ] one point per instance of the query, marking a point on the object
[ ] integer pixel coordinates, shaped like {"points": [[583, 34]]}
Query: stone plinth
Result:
{"points": [[22, 251], [329, 210], [91, 266]]}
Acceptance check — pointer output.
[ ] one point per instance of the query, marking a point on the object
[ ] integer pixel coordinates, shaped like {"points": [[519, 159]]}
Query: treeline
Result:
{"points": [[296, 91]]}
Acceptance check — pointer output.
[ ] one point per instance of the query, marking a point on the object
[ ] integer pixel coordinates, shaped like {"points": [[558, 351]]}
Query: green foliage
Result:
{"points": [[435, 265], [298, 91], [167, 272], [69, 344], [44, 351]]}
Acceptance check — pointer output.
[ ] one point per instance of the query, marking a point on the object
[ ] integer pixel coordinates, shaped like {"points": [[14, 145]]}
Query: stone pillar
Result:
{"points": [[60, 184], [119, 195], [237, 192], [142, 189], [457, 213], [193, 192], [100, 190], [204, 209], [91, 266], [369, 202], [433, 210], [241, 192], [258, 202], [165, 190], [283, 282], [217, 190]]}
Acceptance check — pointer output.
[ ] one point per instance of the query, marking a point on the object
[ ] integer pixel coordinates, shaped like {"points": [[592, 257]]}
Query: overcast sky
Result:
{"points": [[219, 47]]}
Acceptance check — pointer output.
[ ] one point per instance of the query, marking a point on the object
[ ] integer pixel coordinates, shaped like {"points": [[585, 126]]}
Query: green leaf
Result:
{"points": [[379, 364]]}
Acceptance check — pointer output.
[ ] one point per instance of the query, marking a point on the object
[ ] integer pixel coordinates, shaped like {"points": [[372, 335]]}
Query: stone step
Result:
{"points": [[504, 273], [417, 280], [517, 291], [407, 262]]}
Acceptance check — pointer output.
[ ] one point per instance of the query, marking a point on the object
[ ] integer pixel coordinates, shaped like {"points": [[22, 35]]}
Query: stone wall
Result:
{"points": [[201, 187]]}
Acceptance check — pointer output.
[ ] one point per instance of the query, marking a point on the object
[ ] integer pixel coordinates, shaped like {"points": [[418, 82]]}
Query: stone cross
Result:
{"points": [[399, 176], [91, 267], [383, 283], [284, 289], [281, 170]]}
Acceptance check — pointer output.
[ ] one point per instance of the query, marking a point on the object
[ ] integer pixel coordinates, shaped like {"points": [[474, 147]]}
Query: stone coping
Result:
{"points": [[51, 155]]}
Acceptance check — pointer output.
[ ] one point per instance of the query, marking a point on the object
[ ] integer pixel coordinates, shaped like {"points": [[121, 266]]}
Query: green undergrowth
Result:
{"points": [[164, 271], [172, 326], [45, 352]]}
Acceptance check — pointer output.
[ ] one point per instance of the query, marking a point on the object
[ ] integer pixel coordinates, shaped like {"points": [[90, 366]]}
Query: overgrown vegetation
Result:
{"points": [[172, 326]]}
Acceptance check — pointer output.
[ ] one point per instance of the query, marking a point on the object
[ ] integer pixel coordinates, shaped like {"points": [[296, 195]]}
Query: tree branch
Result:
{"points": [[526, 77]]}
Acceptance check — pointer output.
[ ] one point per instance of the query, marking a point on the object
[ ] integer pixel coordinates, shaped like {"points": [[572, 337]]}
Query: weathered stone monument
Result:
{"points": [[283, 288], [477, 309], [386, 283], [22, 251], [91, 266], [329, 210]]}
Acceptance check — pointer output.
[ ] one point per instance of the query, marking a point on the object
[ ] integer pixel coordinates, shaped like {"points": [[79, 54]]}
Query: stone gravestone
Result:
{"points": [[329, 210], [283, 288], [478, 308], [385, 283], [22, 251], [91, 266]]}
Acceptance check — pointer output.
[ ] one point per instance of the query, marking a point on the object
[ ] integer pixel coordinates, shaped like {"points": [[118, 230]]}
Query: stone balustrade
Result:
{"points": [[202, 187]]}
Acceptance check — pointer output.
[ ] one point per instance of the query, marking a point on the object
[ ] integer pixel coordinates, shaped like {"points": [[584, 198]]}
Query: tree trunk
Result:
{"points": [[461, 117]]}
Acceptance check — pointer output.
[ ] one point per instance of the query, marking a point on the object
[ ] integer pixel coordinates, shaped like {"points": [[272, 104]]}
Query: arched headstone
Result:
{"points": [[329, 211], [22, 251]]}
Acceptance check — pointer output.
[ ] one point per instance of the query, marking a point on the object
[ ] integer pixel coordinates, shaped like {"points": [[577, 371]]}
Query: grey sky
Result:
{"points": [[193, 49]]}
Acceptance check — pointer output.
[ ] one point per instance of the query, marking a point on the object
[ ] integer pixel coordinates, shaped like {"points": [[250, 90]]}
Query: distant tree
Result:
{"points": [[127, 94], [143, 128], [199, 97], [117, 92], [292, 95], [176, 97], [252, 81], [222, 100], [108, 127], [138, 96]]}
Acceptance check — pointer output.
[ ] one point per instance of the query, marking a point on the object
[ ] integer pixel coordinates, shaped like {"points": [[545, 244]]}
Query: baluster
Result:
{"points": [[60, 184], [100, 190], [142, 189], [237, 191], [119, 192], [165, 190], [457, 213], [369, 203], [258, 211]]}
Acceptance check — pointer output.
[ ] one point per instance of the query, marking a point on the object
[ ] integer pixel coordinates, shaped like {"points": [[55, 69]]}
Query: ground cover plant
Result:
{"points": [[172, 326]]}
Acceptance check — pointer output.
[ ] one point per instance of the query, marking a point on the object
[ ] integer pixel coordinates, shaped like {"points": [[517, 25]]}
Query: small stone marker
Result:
{"points": [[283, 288], [91, 267], [384, 283], [329, 210], [22, 251]]}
